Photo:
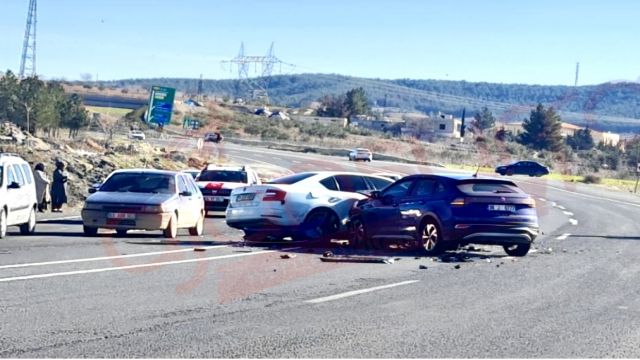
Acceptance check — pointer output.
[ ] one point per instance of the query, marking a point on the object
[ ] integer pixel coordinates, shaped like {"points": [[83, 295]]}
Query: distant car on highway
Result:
{"points": [[360, 154], [215, 137], [530, 168], [137, 135], [18, 201], [305, 206], [216, 182], [145, 199], [439, 212]]}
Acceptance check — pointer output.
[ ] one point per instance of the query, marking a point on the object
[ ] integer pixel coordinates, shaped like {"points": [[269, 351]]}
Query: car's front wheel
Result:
{"points": [[198, 229], [319, 226], [359, 237], [430, 238], [517, 250], [89, 230], [172, 227], [3, 223], [29, 227]]}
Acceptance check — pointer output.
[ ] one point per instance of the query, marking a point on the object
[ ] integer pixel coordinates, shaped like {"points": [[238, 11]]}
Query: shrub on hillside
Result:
{"points": [[591, 179]]}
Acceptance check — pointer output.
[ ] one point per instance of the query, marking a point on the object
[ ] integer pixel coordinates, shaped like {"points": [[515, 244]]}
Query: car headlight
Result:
{"points": [[154, 209]]}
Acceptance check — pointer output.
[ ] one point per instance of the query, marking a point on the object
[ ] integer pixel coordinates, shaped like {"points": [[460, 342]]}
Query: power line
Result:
{"points": [[28, 59]]}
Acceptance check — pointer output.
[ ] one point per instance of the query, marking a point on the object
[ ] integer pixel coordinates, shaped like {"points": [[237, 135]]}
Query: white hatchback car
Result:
{"points": [[305, 206], [216, 183], [360, 154], [18, 202], [137, 135]]}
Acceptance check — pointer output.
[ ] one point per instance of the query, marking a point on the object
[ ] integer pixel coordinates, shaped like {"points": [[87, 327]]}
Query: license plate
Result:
{"points": [[121, 216], [245, 197], [501, 207], [214, 198]]}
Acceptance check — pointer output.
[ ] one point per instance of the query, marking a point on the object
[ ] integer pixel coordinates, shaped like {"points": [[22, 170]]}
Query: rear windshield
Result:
{"points": [[291, 179], [486, 187], [140, 182], [223, 176]]}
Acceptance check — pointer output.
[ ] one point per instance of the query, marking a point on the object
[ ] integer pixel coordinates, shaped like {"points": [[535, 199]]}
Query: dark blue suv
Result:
{"points": [[439, 212]]}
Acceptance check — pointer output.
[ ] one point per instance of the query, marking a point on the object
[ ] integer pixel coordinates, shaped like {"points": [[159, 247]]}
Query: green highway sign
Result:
{"points": [[160, 105]]}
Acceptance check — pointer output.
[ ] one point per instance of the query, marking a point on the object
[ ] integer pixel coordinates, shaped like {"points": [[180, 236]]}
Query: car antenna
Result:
{"points": [[475, 175]]}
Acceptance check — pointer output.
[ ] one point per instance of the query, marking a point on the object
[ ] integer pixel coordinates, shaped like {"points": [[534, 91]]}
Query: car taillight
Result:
{"points": [[458, 202], [274, 195]]}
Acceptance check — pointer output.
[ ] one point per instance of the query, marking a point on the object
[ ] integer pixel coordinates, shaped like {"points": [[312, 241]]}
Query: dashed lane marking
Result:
{"points": [[563, 236], [92, 271], [358, 292], [542, 199], [573, 222], [568, 213]]}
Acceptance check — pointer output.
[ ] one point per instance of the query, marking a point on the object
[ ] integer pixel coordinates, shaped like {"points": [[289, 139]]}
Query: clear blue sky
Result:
{"points": [[534, 42]]}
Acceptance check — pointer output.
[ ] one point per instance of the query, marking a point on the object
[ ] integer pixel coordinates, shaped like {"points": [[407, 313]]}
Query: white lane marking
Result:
{"points": [[102, 258], [583, 195], [561, 207], [260, 162], [554, 204], [92, 271], [563, 236], [568, 213], [74, 217], [358, 292], [573, 222], [542, 199]]}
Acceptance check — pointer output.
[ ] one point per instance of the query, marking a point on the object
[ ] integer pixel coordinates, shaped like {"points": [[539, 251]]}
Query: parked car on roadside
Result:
{"points": [[305, 206], [438, 212], [360, 154], [215, 137], [216, 183], [137, 135], [145, 199], [18, 202], [530, 168]]}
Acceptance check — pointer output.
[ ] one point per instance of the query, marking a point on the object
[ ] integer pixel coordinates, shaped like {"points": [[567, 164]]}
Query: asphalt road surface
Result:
{"points": [[574, 295]]}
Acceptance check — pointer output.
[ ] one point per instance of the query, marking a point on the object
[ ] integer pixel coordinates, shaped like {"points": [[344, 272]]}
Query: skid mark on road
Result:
{"points": [[358, 292], [128, 267]]}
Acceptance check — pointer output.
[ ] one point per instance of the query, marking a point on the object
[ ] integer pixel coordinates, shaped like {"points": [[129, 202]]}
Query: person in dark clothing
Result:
{"points": [[58, 188]]}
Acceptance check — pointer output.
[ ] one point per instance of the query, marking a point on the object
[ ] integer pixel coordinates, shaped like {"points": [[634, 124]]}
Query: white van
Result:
{"points": [[18, 202]]}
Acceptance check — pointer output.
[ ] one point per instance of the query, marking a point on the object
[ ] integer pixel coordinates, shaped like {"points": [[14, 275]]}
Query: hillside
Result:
{"points": [[611, 106]]}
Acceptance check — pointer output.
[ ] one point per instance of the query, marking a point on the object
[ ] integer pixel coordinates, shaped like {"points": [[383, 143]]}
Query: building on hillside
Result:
{"points": [[567, 129], [424, 126], [606, 138]]}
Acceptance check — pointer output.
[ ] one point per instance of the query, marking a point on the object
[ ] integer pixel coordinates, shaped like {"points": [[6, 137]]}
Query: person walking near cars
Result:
{"points": [[58, 188], [42, 187]]}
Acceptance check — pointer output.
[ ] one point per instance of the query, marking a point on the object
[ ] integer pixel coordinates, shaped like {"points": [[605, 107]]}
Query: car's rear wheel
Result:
{"points": [[517, 250], [3, 223], [29, 227], [198, 229], [172, 227], [319, 226], [359, 236], [430, 237], [89, 230]]}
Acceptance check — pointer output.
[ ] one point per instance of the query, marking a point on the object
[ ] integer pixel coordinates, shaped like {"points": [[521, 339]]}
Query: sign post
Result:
{"points": [[637, 177], [160, 105]]}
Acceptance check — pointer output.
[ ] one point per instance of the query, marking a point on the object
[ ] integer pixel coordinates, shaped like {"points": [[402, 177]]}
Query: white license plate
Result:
{"points": [[214, 198], [121, 216], [245, 197], [501, 207]]}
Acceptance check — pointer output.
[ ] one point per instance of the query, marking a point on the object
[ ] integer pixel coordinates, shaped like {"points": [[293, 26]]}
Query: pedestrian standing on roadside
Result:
{"points": [[58, 188], [42, 187]]}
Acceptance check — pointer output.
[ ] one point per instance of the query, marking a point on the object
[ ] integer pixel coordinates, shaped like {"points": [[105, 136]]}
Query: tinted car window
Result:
{"points": [[489, 187], [423, 187], [18, 175], [11, 178], [182, 185], [1, 174], [140, 182], [223, 176], [398, 189], [351, 183], [27, 173], [193, 187], [291, 179], [379, 184], [329, 183]]}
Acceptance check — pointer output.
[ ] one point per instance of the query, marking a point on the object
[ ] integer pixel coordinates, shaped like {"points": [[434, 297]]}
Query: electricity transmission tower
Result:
{"points": [[28, 60], [263, 67]]}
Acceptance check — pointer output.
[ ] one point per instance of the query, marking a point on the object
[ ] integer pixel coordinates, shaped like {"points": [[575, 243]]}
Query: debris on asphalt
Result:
{"points": [[327, 254], [357, 259], [422, 267], [199, 249], [457, 267], [497, 265], [488, 260], [287, 256]]}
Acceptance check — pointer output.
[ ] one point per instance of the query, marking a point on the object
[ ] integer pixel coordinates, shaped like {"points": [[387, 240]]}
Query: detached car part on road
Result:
{"points": [[145, 199], [18, 202], [311, 206], [439, 212]]}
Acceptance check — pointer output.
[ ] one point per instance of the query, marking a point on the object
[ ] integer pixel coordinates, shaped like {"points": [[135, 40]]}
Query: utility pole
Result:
{"points": [[28, 59], [577, 73]]}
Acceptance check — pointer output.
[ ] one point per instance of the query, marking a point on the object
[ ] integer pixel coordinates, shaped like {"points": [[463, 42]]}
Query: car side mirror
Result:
{"points": [[186, 193], [376, 194], [14, 185]]}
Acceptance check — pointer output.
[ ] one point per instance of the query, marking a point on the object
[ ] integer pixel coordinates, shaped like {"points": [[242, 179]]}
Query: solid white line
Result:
{"points": [[563, 236], [91, 271], [573, 221], [583, 195], [358, 292], [542, 199], [260, 162], [102, 258]]}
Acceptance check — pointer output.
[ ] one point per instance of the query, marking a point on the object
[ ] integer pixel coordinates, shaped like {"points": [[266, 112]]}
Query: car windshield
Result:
{"points": [[140, 183], [224, 176]]}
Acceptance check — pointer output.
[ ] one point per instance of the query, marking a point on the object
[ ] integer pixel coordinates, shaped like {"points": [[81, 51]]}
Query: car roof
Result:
{"points": [[147, 171], [455, 176], [330, 173]]}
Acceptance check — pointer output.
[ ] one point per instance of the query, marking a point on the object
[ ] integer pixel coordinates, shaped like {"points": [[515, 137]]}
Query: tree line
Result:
{"points": [[33, 104]]}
